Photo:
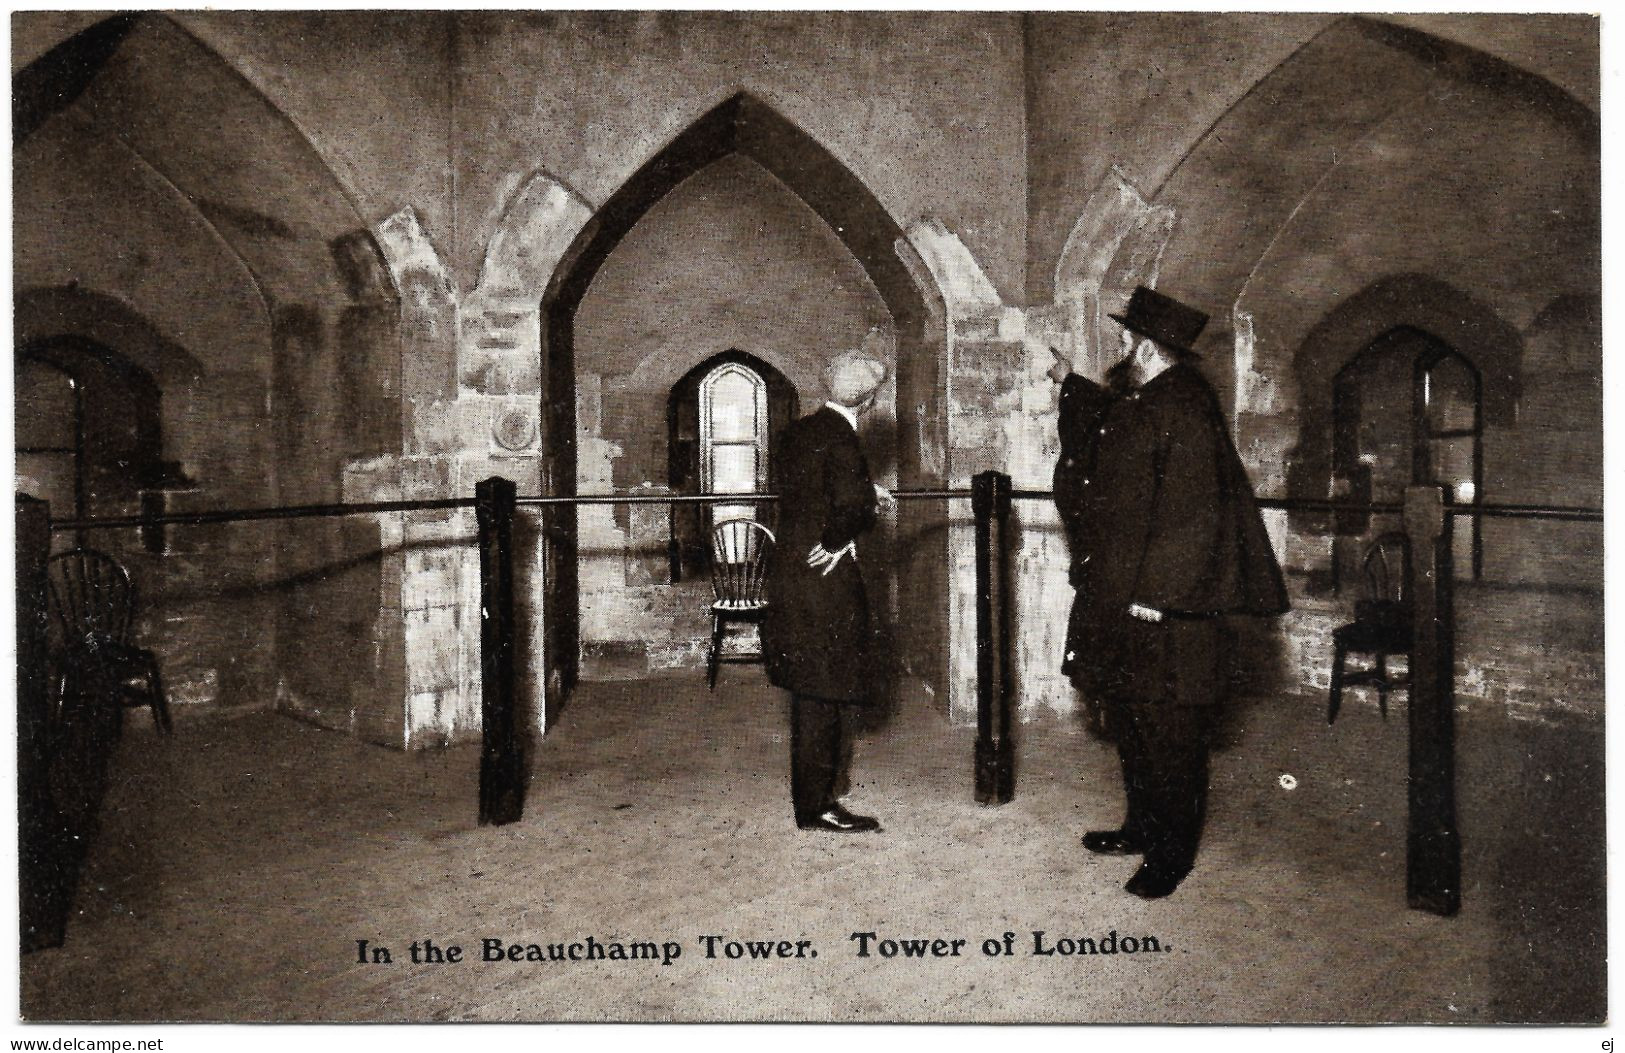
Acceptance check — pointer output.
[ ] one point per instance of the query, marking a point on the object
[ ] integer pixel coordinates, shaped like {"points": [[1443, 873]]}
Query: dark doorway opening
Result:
{"points": [[744, 125], [89, 438]]}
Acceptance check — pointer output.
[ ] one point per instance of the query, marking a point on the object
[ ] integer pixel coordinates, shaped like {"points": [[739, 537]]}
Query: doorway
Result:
{"points": [[88, 430], [745, 126]]}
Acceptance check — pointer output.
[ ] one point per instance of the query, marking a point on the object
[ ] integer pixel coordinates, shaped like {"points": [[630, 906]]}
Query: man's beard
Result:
{"points": [[1120, 377]]}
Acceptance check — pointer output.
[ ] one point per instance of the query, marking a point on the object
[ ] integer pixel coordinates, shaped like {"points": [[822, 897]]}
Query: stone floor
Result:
{"points": [[239, 863]]}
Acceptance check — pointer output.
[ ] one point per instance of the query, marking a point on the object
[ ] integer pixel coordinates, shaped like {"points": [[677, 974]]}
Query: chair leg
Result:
{"points": [[59, 700], [1335, 703], [716, 649], [160, 704], [114, 699], [1382, 683]]}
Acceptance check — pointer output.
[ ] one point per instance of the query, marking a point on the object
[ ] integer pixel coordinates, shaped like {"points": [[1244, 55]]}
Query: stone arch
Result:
{"points": [[1416, 301], [906, 281], [118, 427], [1270, 150], [178, 132], [1116, 245], [684, 445], [45, 313], [662, 372], [311, 239], [745, 124]]}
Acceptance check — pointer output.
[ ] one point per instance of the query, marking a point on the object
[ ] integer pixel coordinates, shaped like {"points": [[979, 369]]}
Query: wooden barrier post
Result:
{"points": [[995, 751], [47, 865], [502, 760], [1433, 845]]}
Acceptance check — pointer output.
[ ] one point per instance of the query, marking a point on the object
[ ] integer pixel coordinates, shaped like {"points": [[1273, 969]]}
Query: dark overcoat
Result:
{"points": [[816, 635], [1158, 511]]}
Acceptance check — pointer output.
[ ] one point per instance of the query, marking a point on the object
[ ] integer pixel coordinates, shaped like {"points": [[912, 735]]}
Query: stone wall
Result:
{"points": [[347, 224], [469, 405], [1531, 655], [926, 109], [533, 162], [1364, 183], [729, 260], [172, 218]]}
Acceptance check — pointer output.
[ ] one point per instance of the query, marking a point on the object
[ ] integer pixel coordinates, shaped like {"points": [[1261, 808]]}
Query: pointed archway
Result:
{"points": [[1309, 131], [261, 306], [1402, 301], [745, 125]]}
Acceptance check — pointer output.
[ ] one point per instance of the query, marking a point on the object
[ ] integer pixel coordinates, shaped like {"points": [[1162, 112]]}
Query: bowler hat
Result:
{"points": [[1163, 318]]}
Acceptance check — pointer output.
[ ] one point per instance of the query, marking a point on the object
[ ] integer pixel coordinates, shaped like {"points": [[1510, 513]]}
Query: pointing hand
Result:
{"points": [[1061, 369]]}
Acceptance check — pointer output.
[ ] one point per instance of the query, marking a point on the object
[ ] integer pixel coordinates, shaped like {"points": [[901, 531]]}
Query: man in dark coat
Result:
{"points": [[1165, 538], [815, 633]]}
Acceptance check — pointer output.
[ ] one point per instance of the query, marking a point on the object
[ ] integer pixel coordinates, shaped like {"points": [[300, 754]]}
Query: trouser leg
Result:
{"points": [[1131, 757], [1171, 754], [817, 753]]}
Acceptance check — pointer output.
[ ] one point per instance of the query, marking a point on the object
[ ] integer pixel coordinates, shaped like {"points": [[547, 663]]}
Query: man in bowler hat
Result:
{"points": [[1165, 538], [816, 634]]}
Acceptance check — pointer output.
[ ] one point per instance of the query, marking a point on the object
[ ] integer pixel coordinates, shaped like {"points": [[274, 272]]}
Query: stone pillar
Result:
{"points": [[1115, 246], [1043, 592], [471, 394], [981, 352], [983, 396]]}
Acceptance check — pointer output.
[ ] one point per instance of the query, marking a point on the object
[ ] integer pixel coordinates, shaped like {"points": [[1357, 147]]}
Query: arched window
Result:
{"points": [[1408, 409], [725, 418], [1448, 448], [733, 436]]}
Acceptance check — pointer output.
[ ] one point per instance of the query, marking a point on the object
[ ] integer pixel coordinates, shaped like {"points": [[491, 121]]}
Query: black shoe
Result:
{"points": [[1113, 843], [839, 820], [1152, 882]]}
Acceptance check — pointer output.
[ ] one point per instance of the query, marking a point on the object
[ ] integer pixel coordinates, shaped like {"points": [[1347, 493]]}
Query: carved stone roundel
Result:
{"points": [[513, 430]]}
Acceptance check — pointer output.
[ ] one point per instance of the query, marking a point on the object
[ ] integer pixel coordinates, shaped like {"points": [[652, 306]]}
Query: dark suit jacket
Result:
{"points": [[816, 634], [1158, 511]]}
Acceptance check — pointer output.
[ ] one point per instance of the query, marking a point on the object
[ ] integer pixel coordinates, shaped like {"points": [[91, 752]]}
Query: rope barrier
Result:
{"points": [[238, 515], [1433, 869], [1558, 513]]}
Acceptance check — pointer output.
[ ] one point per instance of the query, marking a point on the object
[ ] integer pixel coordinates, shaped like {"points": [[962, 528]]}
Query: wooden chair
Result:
{"points": [[738, 555], [92, 605], [1381, 626]]}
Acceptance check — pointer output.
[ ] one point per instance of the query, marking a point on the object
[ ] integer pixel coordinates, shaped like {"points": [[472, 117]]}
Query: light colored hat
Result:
{"points": [[853, 376]]}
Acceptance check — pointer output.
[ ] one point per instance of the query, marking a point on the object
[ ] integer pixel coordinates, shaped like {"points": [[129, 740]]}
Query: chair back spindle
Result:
{"points": [[1388, 569], [738, 583], [1381, 627], [92, 599], [738, 562]]}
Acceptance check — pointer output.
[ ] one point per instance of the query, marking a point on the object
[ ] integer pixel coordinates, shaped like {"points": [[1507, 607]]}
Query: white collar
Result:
{"points": [[851, 418]]}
